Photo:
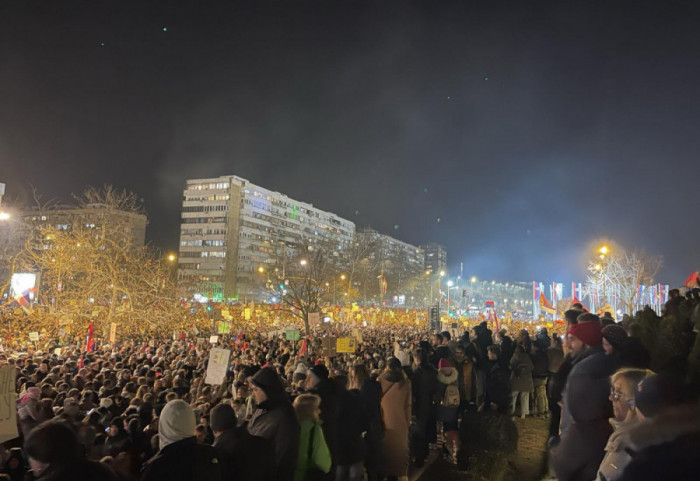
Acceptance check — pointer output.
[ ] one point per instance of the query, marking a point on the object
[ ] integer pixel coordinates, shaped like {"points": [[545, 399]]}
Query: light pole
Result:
{"points": [[449, 287]]}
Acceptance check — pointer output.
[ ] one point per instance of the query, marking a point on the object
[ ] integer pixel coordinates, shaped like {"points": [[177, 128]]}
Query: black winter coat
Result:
{"points": [[277, 422], [183, 461], [497, 388], [244, 457], [350, 423], [424, 385]]}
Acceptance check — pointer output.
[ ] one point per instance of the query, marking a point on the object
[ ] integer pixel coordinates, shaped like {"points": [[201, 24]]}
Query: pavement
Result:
{"points": [[526, 464]]}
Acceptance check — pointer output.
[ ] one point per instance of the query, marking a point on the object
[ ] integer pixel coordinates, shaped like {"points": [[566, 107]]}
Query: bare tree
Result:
{"points": [[618, 276]]}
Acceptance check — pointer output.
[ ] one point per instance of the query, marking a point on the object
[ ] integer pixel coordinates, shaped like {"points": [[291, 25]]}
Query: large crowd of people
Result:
{"points": [[291, 410]]}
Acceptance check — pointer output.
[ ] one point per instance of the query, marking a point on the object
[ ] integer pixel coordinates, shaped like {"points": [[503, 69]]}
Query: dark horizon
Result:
{"points": [[517, 136]]}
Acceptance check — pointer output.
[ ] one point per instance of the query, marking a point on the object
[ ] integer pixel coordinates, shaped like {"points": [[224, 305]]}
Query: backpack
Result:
{"points": [[451, 398]]}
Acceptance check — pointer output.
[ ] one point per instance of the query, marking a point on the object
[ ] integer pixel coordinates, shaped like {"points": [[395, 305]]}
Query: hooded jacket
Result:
{"points": [[180, 457], [275, 420], [664, 447]]}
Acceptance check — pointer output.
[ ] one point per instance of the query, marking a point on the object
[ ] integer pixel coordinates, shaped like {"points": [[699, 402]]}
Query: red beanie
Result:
{"points": [[588, 332], [444, 363]]}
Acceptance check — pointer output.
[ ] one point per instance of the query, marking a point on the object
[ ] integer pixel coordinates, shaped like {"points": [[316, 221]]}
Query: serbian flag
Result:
{"points": [[693, 280], [546, 306], [24, 299], [90, 344]]}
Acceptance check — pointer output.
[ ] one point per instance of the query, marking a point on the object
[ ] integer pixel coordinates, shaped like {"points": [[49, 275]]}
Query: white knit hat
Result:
{"points": [[176, 423]]}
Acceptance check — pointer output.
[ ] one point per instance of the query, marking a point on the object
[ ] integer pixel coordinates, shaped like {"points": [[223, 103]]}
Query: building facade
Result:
{"points": [[234, 232], [129, 226], [435, 257]]}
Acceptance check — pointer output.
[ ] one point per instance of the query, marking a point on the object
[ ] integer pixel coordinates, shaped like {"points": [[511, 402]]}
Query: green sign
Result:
{"points": [[293, 334]]}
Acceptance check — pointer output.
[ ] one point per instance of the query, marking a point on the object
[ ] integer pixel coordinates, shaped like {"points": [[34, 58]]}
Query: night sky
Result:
{"points": [[518, 133]]}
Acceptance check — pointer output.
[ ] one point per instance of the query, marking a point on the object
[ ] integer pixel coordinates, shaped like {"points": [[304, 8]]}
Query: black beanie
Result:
{"points": [[223, 418]]}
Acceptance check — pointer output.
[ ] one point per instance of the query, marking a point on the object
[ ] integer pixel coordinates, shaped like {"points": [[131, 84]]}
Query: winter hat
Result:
{"points": [[320, 371], [655, 394], [106, 402], [444, 363], [588, 332], [176, 423], [223, 418], [588, 317], [615, 335]]}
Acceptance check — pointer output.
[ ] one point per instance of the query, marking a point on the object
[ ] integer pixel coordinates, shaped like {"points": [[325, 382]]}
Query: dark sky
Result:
{"points": [[530, 129]]}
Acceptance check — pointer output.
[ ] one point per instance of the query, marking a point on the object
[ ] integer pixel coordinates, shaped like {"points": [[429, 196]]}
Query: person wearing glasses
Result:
{"points": [[623, 385]]}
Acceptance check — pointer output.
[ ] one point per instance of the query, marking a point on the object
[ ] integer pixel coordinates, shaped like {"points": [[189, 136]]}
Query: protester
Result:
{"points": [[424, 386], [242, 456], [180, 456], [585, 426], [623, 385], [275, 420], [314, 456], [521, 378], [396, 416]]}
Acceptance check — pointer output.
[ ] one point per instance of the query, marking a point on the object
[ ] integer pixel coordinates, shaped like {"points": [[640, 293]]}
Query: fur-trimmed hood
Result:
{"points": [[663, 428], [450, 378]]}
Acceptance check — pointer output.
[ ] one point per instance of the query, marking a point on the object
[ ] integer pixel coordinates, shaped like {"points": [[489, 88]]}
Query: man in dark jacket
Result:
{"points": [[180, 457], [585, 426], [275, 420], [243, 457]]}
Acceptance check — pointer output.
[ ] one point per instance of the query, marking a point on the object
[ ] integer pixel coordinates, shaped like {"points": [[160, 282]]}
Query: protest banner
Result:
{"points": [[346, 345], [293, 334], [8, 409], [218, 364], [33, 336]]}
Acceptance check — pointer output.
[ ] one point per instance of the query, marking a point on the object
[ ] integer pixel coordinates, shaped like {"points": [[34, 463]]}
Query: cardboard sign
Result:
{"points": [[314, 318], [8, 410], [218, 364], [213, 339], [113, 332], [200, 341], [293, 334], [346, 344], [329, 347], [33, 336]]}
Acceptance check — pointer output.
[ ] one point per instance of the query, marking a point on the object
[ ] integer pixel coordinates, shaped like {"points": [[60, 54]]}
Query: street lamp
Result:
{"points": [[172, 257], [303, 262]]}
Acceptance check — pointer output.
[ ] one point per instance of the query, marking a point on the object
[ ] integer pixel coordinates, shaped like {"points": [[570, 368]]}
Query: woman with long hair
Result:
{"points": [[396, 416]]}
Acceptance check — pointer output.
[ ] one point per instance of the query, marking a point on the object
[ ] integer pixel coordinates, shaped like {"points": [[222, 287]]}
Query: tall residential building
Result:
{"points": [[131, 226], [435, 257], [395, 255], [231, 228]]}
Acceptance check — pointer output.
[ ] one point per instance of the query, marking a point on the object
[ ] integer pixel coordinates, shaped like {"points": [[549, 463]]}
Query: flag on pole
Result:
{"points": [[303, 349], [693, 280], [90, 344], [546, 306]]}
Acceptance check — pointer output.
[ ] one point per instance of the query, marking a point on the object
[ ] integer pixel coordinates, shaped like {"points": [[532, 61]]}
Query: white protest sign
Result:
{"points": [[8, 403], [33, 336], [213, 339], [218, 363]]}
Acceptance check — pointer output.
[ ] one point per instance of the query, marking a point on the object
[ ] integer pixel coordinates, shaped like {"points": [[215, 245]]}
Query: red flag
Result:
{"points": [[693, 280], [90, 345], [303, 349]]}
